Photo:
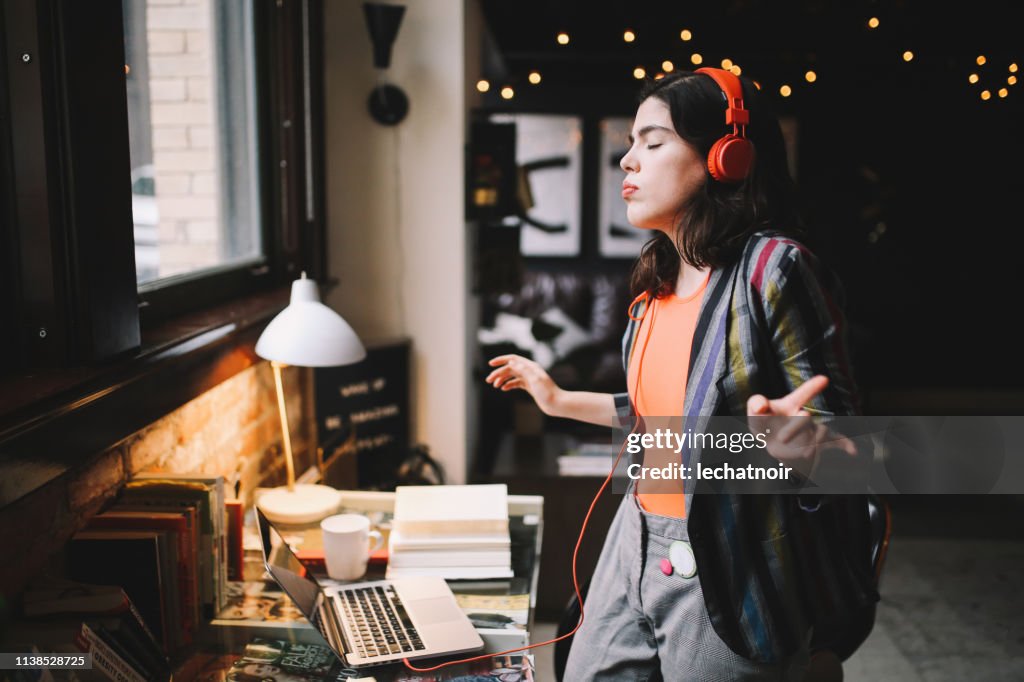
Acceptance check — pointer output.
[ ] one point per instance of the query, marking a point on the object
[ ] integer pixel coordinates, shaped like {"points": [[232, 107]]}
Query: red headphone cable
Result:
{"points": [[579, 540]]}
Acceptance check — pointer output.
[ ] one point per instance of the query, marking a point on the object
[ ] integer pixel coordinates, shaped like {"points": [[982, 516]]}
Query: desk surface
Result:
{"points": [[501, 609]]}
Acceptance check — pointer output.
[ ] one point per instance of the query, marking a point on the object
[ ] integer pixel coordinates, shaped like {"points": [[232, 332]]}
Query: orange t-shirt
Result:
{"points": [[661, 358]]}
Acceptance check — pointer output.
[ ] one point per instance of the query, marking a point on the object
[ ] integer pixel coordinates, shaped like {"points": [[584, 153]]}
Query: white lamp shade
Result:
{"points": [[309, 334]]}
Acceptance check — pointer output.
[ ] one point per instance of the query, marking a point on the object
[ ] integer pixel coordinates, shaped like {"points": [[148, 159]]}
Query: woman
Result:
{"points": [[730, 311]]}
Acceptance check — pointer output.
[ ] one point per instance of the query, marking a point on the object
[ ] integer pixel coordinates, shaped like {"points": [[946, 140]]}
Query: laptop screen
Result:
{"points": [[287, 570]]}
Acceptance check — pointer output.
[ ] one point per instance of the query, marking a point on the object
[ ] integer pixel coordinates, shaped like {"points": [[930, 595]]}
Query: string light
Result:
{"points": [[1003, 92], [658, 76], [973, 78], [785, 91], [736, 70], [757, 85], [667, 66], [685, 35], [696, 58], [534, 77], [985, 94], [563, 39], [507, 92], [1013, 68], [908, 55], [629, 36], [726, 64], [483, 86], [873, 22], [639, 73], [981, 60], [811, 76], [1012, 80]]}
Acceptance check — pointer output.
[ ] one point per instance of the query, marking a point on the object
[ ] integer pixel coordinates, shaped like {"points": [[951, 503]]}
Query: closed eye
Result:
{"points": [[653, 146]]}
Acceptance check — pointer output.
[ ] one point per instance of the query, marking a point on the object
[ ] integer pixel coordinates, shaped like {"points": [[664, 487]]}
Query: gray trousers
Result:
{"points": [[640, 624]]}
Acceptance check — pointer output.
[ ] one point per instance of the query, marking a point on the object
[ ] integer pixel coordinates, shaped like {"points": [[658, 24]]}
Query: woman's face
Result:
{"points": [[662, 170]]}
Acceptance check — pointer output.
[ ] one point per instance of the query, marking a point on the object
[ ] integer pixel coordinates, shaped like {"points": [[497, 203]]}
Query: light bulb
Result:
{"points": [[667, 66], [483, 86], [696, 58], [534, 77], [686, 35], [981, 60], [629, 36], [785, 91], [639, 73], [727, 64], [811, 76], [563, 38], [908, 55], [507, 92], [873, 22]]}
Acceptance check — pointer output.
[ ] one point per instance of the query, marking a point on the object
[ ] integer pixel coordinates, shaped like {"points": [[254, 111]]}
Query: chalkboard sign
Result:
{"points": [[371, 398]]}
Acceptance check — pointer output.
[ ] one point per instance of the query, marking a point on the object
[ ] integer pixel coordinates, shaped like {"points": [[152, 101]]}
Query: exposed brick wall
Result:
{"points": [[183, 117], [231, 428]]}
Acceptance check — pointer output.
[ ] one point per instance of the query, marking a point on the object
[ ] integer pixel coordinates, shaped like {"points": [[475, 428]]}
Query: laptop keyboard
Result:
{"points": [[379, 621]]}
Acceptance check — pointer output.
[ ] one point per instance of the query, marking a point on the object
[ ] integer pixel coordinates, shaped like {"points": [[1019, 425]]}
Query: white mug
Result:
{"points": [[347, 545]]}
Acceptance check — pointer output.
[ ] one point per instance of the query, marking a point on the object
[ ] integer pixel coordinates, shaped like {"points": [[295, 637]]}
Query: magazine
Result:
{"points": [[257, 609], [266, 660]]}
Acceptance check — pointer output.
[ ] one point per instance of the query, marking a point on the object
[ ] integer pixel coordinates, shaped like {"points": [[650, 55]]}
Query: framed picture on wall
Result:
{"points": [[616, 237], [549, 151]]}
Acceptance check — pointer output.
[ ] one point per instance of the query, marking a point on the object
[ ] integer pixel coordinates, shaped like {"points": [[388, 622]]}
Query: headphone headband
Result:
{"points": [[735, 114]]}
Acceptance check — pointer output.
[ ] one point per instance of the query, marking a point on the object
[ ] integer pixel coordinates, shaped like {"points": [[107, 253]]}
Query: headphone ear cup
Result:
{"points": [[731, 158]]}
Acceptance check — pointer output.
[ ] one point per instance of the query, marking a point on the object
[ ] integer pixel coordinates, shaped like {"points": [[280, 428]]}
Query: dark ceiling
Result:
{"points": [[773, 42]]}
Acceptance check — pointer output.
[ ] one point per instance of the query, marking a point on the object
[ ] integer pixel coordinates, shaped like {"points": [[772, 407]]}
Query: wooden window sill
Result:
{"points": [[51, 420]]}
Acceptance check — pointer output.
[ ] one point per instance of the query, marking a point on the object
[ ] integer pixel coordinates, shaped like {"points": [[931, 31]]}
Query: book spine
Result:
{"points": [[220, 528], [235, 531], [441, 528], [112, 665], [425, 559]]}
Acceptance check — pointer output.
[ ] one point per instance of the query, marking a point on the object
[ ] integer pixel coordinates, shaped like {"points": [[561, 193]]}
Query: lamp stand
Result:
{"points": [[295, 504]]}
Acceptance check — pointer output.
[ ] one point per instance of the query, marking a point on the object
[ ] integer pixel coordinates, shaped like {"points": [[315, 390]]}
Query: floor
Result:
{"points": [[952, 604]]}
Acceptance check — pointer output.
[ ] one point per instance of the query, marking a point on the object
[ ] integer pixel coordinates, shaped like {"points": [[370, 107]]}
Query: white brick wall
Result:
{"points": [[183, 120], [162, 18], [169, 137], [166, 42]]}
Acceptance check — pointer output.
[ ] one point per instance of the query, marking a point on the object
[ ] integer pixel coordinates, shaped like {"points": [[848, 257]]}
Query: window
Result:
{"points": [[157, 157], [192, 136]]}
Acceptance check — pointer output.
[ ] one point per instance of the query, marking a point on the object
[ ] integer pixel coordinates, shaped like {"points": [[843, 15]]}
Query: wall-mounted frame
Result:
{"points": [[549, 153], [616, 237]]}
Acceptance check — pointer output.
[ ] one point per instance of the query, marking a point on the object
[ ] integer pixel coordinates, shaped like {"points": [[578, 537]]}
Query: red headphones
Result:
{"points": [[732, 156]]}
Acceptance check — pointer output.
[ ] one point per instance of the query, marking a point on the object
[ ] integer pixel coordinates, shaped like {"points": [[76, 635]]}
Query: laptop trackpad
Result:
{"points": [[437, 610]]}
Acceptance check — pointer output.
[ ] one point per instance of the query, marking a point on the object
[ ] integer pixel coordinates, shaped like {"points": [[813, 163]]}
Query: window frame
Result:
{"points": [[72, 42]]}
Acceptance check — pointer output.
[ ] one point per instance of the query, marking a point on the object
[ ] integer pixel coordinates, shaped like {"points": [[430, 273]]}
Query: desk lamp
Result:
{"points": [[305, 334]]}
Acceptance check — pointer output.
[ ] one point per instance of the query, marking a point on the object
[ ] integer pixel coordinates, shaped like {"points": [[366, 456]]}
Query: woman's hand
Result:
{"points": [[515, 371], [796, 442]]}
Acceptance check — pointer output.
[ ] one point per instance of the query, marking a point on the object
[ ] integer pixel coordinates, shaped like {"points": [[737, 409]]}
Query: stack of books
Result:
{"points": [[67, 617], [453, 531]]}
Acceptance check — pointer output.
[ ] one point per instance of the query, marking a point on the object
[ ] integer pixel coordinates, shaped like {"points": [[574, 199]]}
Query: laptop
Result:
{"points": [[372, 622]]}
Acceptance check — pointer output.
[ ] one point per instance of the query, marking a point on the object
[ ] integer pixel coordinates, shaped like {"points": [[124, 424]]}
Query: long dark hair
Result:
{"points": [[719, 218]]}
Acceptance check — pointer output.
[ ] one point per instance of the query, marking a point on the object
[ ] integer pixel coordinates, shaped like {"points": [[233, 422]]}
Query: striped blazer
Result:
{"points": [[772, 565]]}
